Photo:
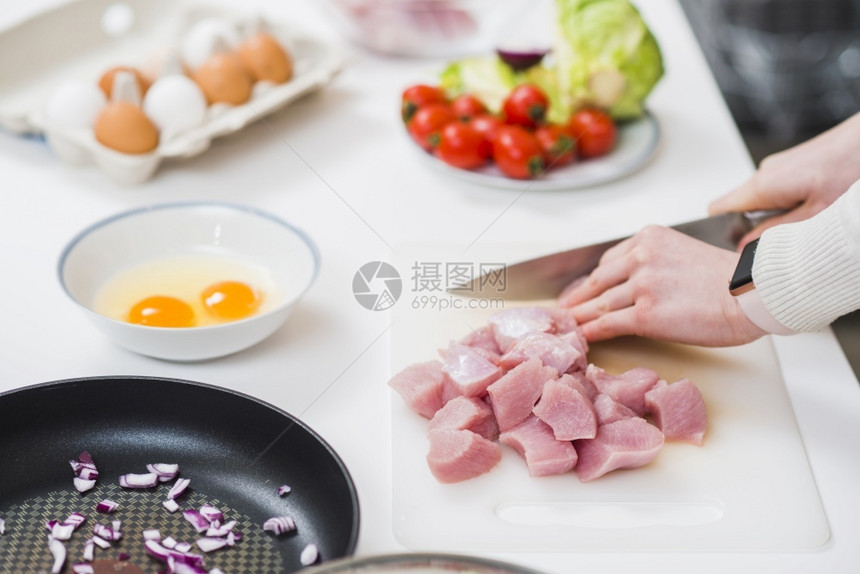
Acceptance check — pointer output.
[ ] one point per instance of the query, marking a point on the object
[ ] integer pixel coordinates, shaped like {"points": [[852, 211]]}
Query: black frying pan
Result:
{"points": [[235, 449]]}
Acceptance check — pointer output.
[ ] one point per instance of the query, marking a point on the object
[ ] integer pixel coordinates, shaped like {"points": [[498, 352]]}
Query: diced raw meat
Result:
{"points": [[457, 455], [421, 386], [679, 411], [544, 454], [469, 371], [551, 350], [511, 324], [514, 395], [609, 410], [482, 338], [577, 380], [628, 388], [567, 411], [628, 443], [577, 340], [563, 320], [487, 354], [466, 413]]}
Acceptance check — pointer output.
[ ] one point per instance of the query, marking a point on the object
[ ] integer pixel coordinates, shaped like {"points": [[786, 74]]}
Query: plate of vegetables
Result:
{"points": [[145, 474], [569, 116]]}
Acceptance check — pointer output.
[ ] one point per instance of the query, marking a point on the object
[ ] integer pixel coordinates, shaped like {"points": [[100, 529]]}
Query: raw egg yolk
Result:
{"points": [[230, 300], [162, 311]]}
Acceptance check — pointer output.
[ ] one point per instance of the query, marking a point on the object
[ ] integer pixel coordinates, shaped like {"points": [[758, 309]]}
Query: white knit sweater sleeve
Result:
{"points": [[808, 273]]}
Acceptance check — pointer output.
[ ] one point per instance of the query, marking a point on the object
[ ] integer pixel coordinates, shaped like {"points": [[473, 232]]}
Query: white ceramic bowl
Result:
{"points": [[209, 229]]}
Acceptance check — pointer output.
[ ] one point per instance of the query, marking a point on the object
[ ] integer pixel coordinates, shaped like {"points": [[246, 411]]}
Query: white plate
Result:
{"points": [[637, 144]]}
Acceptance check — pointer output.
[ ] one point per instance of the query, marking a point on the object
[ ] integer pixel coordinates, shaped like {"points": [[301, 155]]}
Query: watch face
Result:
{"points": [[743, 272]]}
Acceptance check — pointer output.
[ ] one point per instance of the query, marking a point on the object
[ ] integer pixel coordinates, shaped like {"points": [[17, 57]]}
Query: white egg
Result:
{"points": [[75, 105], [175, 103], [198, 42]]}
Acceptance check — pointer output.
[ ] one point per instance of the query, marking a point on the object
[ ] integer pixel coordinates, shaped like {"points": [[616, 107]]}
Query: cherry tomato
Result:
{"points": [[518, 152], [487, 125], [461, 145], [427, 123], [467, 106], [594, 131], [418, 96], [558, 147], [526, 105]]}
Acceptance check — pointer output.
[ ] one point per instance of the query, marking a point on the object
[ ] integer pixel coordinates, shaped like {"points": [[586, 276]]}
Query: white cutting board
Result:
{"points": [[749, 488]]}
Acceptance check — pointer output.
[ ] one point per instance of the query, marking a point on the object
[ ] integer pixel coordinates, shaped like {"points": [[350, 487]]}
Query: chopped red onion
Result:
{"points": [[83, 485], [211, 513], [309, 555], [164, 471], [117, 525], [2, 526], [106, 532], [101, 542], [210, 544], [85, 457], [197, 520], [131, 480], [106, 506], [62, 531], [279, 525], [75, 519], [283, 489], [169, 542], [151, 534], [178, 488], [183, 546], [58, 551], [89, 550], [231, 539], [170, 505], [216, 571], [122, 556], [156, 550], [221, 530], [83, 569]]}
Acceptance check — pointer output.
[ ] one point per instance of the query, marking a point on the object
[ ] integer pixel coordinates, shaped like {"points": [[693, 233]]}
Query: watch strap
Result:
{"points": [[753, 307]]}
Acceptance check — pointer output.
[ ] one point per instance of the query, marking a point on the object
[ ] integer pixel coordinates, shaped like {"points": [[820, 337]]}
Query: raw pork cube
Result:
{"points": [[567, 411], [421, 386], [577, 380], [457, 455], [628, 388], [679, 411], [514, 395], [511, 324], [544, 454], [563, 320], [609, 410], [628, 443], [551, 350], [482, 338], [577, 340], [470, 372], [466, 413]]}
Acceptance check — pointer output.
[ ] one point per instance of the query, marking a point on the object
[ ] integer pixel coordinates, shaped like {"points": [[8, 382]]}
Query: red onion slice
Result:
{"points": [[83, 569], [284, 490], [309, 555], [164, 471], [197, 520], [75, 519], [83, 485], [170, 505], [62, 531], [89, 550], [101, 542], [2, 526], [58, 551], [183, 547], [279, 525], [151, 534], [107, 533], [221, 530], [211, 513], [106, 506], [178, 488], [210, 544], [123, 556], [131, 480], [520, 60]]}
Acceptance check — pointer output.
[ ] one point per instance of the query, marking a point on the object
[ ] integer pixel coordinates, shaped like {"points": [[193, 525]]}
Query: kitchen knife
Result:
{"points": [[545, 277]]}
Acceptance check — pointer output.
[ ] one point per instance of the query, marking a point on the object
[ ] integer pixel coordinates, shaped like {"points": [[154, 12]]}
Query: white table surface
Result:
{"points": [[338, 164]]}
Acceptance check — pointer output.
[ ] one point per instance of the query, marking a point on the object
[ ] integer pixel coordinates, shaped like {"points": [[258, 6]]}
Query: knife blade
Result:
{"points": [[545, 277]]}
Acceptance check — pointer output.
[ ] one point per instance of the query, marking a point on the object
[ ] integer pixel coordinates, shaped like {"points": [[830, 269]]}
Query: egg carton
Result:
{"points": [[80, 40]]}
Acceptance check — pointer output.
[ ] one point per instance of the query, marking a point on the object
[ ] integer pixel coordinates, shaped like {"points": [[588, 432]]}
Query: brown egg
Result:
{"points": [[266, 59], [224, 79], [106, 81], [122, 126]]}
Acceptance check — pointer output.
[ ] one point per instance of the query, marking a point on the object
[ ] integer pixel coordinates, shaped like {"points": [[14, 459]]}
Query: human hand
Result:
{"points": [[664, 285], [803, 179]]}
